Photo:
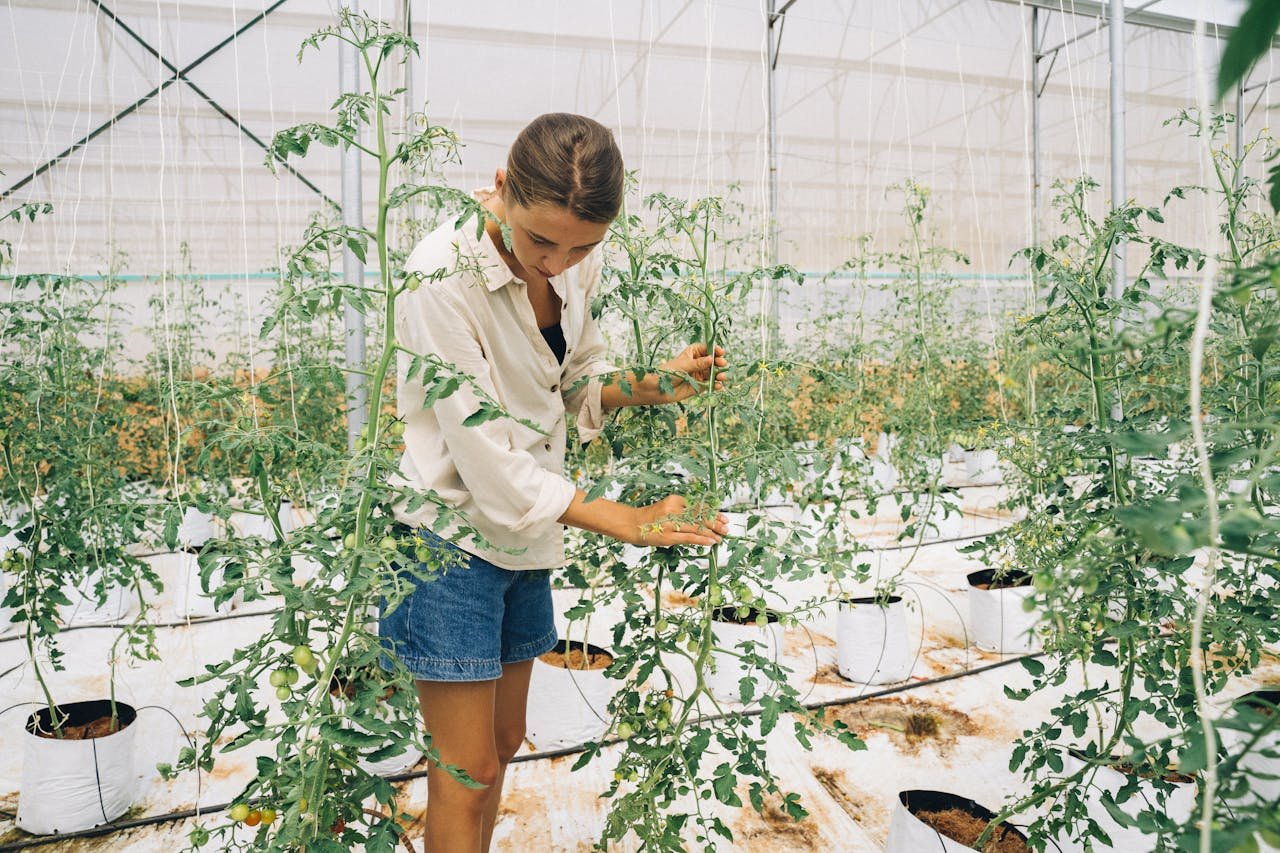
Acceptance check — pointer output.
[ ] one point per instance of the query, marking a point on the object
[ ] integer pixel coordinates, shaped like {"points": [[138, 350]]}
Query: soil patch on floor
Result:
{"points": [[800, 644], [776, 827], [865, 810], [910, 723], [675, 598]]}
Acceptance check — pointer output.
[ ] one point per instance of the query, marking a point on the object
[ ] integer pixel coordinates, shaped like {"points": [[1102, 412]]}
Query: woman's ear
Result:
{"points": [[499, 178]]}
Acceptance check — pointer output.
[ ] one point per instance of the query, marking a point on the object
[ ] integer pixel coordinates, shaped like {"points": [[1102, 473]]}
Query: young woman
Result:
{"points": [[518, 320]]}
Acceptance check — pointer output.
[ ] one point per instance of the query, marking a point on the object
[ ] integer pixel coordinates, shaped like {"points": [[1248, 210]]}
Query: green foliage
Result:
{"points": [[67, 512]]}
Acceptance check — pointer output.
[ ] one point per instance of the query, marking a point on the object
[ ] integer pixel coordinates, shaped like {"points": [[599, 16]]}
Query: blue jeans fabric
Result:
{"points": [[470, 620]]}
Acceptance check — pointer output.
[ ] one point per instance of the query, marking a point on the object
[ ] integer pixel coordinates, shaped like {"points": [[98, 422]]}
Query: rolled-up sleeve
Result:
{"points": [[508, 485]]}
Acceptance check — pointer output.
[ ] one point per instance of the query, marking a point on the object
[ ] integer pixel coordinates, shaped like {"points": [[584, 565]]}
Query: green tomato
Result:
{"points": [[1179, 541], [762, 621], [199, 836], [238, 812], [349, 541], [279, 678], [388, 543], [304, 657], [396, 428], [361, 443], [1042, 581], [633, 776], [283, 693], [412, 282], [290, 676], [663, 724], [625, 731], [715, 596], [662, 625]]}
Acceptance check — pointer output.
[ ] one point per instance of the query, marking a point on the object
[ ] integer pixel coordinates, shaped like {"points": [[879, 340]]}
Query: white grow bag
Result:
{"points": [[72, 785], [982, 467], [196, 528], [84, 608], [1179, 805], [190, 600], [257, 524], [908, 834], [871, 640], [1263, 769], [997, 620], [727, 667], [567, 707]]}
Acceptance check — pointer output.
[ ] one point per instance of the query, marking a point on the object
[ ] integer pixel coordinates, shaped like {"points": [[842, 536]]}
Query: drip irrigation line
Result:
{"points": [[209, 620], [176, 623], [411, 775]]}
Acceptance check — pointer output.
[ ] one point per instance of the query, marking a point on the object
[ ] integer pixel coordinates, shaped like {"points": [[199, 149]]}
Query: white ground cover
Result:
{"points": [[546, 807]]}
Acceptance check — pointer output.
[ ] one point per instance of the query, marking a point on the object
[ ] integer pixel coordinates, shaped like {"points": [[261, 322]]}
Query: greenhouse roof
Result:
{"points": [[869, 95]]}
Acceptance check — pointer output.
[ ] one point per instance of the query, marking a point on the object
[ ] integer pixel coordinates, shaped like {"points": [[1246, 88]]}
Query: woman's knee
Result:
{"points": [[508, 740], [485, 772]]}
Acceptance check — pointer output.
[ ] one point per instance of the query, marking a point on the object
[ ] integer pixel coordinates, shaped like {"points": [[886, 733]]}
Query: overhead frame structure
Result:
{"points": [[176, 75], [1113, 15]]}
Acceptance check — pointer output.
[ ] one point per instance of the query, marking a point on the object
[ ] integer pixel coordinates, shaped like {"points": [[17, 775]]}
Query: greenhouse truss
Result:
{"points": [[996, 447]]}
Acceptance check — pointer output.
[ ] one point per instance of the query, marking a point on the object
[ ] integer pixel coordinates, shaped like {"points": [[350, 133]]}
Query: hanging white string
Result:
{"points": [[247, 332], [1204, 310]]}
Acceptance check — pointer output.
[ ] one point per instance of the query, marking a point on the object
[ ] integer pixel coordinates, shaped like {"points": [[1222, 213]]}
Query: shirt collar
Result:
{"points": [[496, 272]]}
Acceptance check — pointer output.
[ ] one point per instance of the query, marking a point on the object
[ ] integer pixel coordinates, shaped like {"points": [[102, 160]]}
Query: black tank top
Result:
{"points": [[554, 336]]}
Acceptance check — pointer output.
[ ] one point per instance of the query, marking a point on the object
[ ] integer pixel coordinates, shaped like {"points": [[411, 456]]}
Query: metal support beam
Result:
{"points": [[181, 75], [776, 22], [1118, 190], [352, 268], [176, 75], [1037, 89], [1151, 20]]}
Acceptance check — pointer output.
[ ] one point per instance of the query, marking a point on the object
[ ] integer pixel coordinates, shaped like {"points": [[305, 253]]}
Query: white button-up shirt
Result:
{"points": [[505, 478]]}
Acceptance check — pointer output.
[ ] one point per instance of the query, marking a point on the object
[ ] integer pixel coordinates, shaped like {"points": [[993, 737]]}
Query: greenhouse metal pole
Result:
{"points": [[1116, 32], [1036, 178], [1118, 191], [352, 268], [774, 315]]}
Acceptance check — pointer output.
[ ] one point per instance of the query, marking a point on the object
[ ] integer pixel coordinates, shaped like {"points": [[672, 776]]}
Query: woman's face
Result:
{"points": [[547, 239]]}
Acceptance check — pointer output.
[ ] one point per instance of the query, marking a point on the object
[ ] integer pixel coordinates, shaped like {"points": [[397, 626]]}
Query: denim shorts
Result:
{"points": [[470, 620]]}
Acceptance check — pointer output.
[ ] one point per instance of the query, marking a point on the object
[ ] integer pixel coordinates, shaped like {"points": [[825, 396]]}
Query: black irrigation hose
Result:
{"points": [[519, 759]]}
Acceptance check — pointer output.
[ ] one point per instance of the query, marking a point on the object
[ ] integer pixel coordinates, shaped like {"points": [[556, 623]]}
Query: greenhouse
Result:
{"points": [[653, 426]]}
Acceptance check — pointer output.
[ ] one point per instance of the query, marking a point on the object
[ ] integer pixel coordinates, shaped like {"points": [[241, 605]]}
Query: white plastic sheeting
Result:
{"points": [[870, 94]]}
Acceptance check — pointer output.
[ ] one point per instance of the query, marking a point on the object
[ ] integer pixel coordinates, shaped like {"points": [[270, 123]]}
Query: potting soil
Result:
{"points": [[959, 825]]}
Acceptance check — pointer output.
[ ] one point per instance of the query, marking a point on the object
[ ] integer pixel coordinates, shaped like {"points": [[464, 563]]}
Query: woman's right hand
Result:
{"points": [[670, 522]]}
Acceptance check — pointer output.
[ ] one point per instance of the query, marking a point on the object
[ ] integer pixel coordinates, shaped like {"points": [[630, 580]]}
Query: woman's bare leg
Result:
{"points": [[460, 717], [510, 699]]}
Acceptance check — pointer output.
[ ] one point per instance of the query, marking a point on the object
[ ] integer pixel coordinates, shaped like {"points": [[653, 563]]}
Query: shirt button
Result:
{"points": [[547, 445], [555, 387]]}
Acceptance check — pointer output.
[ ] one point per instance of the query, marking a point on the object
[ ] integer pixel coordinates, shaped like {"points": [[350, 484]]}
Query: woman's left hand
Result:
{"points": [[694, 363]]}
